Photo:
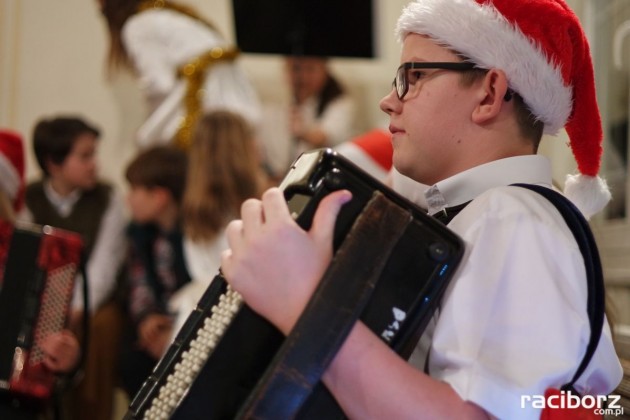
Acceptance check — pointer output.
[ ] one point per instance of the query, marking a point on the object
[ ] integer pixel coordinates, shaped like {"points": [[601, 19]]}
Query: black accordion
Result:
{"points": [[223, 363], [38, 266]]}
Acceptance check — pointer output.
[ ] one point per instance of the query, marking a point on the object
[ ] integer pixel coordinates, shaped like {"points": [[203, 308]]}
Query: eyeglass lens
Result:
{"points": [[401, 82]]}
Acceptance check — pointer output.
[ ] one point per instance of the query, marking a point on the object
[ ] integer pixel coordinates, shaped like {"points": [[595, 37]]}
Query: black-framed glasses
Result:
{"points": [[401, 81]]}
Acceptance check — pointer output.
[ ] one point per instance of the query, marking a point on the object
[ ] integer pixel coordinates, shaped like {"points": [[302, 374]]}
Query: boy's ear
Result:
{"points": [[51, 167], [492, 93]]}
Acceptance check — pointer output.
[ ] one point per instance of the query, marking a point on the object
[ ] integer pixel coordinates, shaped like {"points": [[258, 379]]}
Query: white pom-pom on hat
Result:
{"points": [[589, 193]]}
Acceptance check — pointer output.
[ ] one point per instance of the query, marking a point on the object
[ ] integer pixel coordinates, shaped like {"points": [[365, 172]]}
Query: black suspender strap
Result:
{"points": [[446, 215], [594, 276], [595, 304]]}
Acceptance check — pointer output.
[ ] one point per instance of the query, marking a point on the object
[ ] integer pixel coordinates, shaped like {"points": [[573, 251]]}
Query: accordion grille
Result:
{"points": [[54, 301]]}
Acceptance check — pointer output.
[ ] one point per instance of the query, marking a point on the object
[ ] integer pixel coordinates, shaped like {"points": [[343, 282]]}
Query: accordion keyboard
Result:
{"points": [[193, 359]]}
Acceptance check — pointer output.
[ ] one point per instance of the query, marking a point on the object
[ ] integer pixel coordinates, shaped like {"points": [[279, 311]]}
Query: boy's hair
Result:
{"points": [[116, 13], [54, 138], [224, 171], [159, 167]]}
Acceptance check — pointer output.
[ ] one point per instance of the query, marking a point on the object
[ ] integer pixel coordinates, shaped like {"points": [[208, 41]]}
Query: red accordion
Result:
{"points": [[38, 266]]}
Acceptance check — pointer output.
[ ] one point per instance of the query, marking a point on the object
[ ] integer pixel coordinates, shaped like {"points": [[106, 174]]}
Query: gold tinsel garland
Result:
{"points": [[194, 72]]}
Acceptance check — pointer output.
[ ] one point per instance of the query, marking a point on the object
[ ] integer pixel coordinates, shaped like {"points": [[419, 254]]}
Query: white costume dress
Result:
{"points": [[159, 42]]}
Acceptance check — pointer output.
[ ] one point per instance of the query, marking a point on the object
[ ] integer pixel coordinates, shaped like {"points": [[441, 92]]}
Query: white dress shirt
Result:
{"points": [[513, 321]]}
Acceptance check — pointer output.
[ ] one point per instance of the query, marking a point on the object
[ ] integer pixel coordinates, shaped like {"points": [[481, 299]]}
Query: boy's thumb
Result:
{"points": [[323, 227]]}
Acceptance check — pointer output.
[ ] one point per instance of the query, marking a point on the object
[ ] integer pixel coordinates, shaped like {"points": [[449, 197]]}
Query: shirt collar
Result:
{"points": [[464, 186], [63, 204]]}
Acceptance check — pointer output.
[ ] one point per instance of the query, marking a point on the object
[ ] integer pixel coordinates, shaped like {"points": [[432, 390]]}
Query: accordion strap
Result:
{"points": [[332, 311], [596, 301]]}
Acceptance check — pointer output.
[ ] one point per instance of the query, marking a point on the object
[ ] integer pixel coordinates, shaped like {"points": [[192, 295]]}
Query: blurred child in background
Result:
{"points": [[323, 112], [71, 196], [155, 268], [224, 170]]}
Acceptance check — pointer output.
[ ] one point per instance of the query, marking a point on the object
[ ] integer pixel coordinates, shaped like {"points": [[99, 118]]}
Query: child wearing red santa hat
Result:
{"points": [[479, 84]]}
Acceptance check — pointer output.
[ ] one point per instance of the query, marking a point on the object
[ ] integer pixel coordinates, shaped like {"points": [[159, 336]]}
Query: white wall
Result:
{"points": [[52, 56]]}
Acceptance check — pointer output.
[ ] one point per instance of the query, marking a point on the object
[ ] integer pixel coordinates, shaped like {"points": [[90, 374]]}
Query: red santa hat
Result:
{"points": [[372, 151], [12, 167], [542, 49]]}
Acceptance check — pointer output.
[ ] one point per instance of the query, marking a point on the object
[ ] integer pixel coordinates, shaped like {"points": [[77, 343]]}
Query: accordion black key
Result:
{"points": [[219, 364], [38, 265]]}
